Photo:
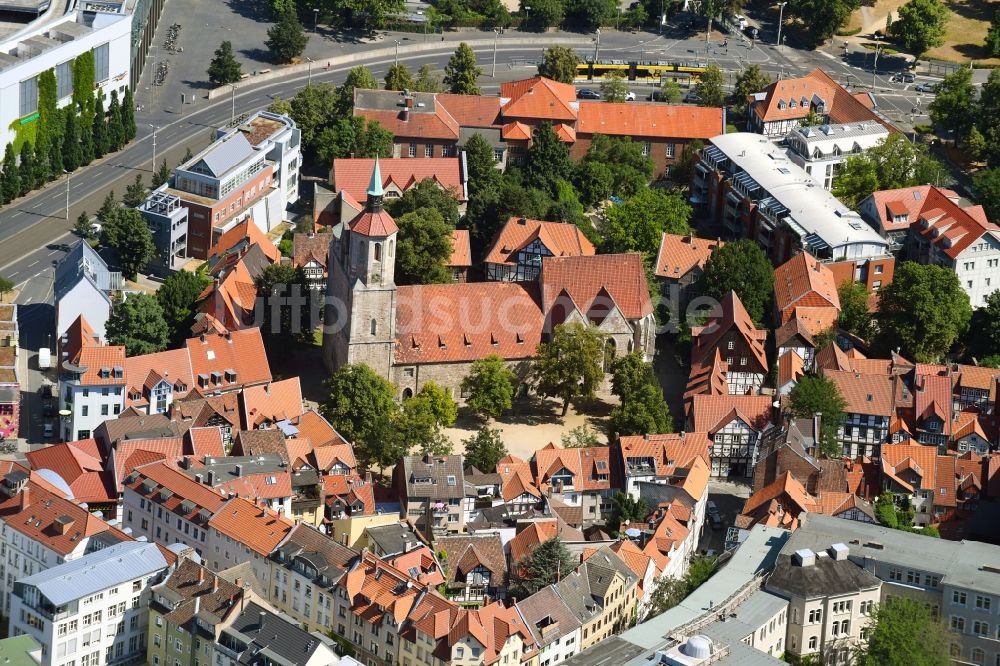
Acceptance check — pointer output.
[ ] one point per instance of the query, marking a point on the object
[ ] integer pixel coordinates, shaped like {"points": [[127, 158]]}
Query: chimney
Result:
{"points": [[804, 558], [522, 220], [260, 621], [201, 574], [215, 584], [211, 477], [63, 524], [838, 552], [25, 497], [404, 115], [197, 604], [408, 102], [239, 583], [817, 422]]}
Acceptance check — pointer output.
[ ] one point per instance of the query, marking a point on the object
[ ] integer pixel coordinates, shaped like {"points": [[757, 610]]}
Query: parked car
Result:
{"points": [[692, 98], [45, 390], [715, 519], [630, 96], [925, 87], [48, 431], [741, 21], [587, 93], [902, 77]]}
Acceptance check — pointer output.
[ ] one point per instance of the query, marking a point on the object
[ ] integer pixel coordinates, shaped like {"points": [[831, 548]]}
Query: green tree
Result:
{"points": [[28, 169], [821, 18], [987, 131], [571, 364], [920, 26], [710, 87], [638, 223], [427, 194], [481, 164], [86, 147], [361, 406], [954, 97], [986, 184], [11, 187], [116, 131], [420, 421], [751, 80], [428, 80], [742, 267], [854, 315], [484, 449], [135, 193], [84, 228], [280, 106], [6, 286], [398, 78], [128, 115], [589, 15], [84, 74], [138, 324], [580, 437], [489, 387], [892, 164], [983, 337], [992, 43], [49, 126], [548, 563], [923, 311], [594, 180], [630, 170], [667, 592], [224, 68], [905, 633], [544, 13], [624, 508], [682, 169], [71, 144], [629, 373], [354, 136], [614, 88], [162, 175], [177, 296], [358, 77], [670, 92], [423, 247], [282, 281], [559, 64], [108, 207], [286, 39], [815, 394], [126, 231], [642, 413], [461, 75], [99, 129], [547, 160], [364, 15], [313, 109]]}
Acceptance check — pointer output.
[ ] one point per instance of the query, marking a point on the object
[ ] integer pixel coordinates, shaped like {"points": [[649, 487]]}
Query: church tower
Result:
{"points": [[361, 289]]}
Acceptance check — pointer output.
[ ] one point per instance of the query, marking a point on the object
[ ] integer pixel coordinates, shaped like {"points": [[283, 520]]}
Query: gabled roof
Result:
{"points": [[668, 452], [83, 263], [791, 367], [649, 120], [516, 479], [538, 532], [79, 464], [353, 174], [679, 255], [804, 280], [242, 351], [310, 247], [919, 458], [539, 98], [559, 238], [272, 402], [241, 237], [710, 413], [584, 278], [731, 315], [786, 491], [461, 249], [545, 610], [905, 202], [227, 153], [318, 430], [864, 394], [466, 552], [260, 529]]}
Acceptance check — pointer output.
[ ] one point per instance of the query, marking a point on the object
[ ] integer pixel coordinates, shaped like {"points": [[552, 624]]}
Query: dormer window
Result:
{"points": [[793, 104], [230, 376], [781, 104], [203, 380], [119, 372], [105, 373], [216, 377]]}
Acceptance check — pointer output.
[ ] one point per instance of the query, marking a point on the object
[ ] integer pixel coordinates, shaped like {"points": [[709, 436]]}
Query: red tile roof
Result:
{"points": [[310, 247], [260, 529], [131, 453], [803, 280], [79, 464], [143, 373], [205, 442], [95, 359], [461, 249], [437, 124], [353, 175], [908, 201], [516, 479], [585, 464], [246, 231], [242, 351], [864, 394], [649, 121], [539, 98], [375, 224], [669, 452], [471, 110], [679, 255], [318, 430], [731, 315], [274, 402], [917, 457], [596, 283], [559, 238], [786, 491], [710, 413], [790, 367], [466, 321]]}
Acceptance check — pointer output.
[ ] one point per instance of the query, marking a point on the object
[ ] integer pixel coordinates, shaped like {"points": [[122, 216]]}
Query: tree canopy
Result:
{"points": [[818, 394], [177, 296], [461, 75], [224, 68], [126, 231], [614, 88], [894, 163], [740, 266], [986, 184], [286, 39], [559, 64], [992, 43], [954, 97], [354, 136], [571, 364], [923, 311], [547, 160], [548, 563], [138, 324], [419, 423], [423, 248], [427, 194], [484, 449], [624, 508], [905, 633], [854, 315], [710, 87], [639, 222], [398, 77], [642, 410], [361, 406], [920, 26], [821, 18], [285, 282], [489, 386], [751, 80], [481, 163]]}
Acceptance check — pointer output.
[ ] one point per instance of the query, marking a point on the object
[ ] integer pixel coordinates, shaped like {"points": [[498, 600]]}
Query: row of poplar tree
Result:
{"points": [[68, 138]]}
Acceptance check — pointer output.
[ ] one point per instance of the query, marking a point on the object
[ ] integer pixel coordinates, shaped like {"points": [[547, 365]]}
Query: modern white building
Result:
{"points": [[819, 149], [91, 611], [92, 389], [102, 27], [83, 285], [279, 139]]}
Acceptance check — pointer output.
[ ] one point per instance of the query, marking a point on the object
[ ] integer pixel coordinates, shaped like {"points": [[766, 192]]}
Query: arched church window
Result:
{"points": [[378, 251], [374, 327]]}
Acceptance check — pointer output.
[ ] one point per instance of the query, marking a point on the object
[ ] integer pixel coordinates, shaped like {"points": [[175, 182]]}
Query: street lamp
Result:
{"points": [[527, 13], [310, 79], [233, 117], [781, 16], [153, 168], [496, 36], [315, 19], [878, 44], [597, 45], [67, 194], [395, 61]]}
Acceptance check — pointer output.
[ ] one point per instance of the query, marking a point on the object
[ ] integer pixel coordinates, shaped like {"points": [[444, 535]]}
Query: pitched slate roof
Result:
{"points": [[679, 255], [193, 590], [560, 238], [465, 553], [547, 616]]}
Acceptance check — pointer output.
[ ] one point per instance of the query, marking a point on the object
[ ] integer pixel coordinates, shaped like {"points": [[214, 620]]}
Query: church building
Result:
{"points": [[414, 334]]}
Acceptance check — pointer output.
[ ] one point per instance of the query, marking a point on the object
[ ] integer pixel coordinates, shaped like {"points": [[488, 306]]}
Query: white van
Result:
{"points": [[44, 358]]}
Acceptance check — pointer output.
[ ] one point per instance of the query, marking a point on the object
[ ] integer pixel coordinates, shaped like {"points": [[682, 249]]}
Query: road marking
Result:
{"points": [[32, 263], [53, 252]]}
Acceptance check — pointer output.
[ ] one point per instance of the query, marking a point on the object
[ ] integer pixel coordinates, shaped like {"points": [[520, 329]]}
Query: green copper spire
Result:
{"points": [[375, 186]]}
